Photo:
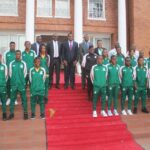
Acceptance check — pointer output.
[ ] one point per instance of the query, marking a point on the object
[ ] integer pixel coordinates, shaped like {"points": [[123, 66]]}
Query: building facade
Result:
{"points": [[126, 21]]}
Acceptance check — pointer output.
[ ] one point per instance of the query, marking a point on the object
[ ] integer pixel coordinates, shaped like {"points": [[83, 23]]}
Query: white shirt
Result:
{"points": [[55, 45]]}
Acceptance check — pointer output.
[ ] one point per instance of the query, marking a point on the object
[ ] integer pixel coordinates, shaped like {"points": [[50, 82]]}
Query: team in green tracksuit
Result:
{"points": [[105, 57], [3, 80], [120, 57], [9, 56], [127, 84], [113, 85], [133, 61], [17, 73], [148, 66], [37, 77], [98, 76], [141, 75], [28, 57]]}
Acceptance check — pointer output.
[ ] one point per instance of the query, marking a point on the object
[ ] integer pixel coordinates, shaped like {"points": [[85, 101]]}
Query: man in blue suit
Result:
{"points": [[70, 58]]}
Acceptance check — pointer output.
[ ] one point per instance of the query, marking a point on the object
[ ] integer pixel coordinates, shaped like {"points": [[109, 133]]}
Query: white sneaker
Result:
{"points": [[94, 114], [110, 113], [16, 102], [8, 102], [124, 113], [116, 112], [103, 113], [129, 112]]}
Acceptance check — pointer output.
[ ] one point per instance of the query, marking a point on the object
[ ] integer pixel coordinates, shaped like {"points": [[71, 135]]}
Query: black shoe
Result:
{"points": [[50, 86], [57, 87], [45, 100], [65, 87], [135, 110], [144, 110], [42, 116], [25, 116], [32, 116], [11, 116], [83, 87], [4, 116], [73, 87]]}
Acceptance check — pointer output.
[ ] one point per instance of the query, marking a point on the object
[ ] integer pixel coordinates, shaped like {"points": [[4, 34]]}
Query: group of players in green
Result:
{"points": [[118, 73], [17, 70]]}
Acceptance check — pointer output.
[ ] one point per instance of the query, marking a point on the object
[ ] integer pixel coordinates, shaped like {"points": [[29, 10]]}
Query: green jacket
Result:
{"points": [[127, 76], [113, 74], [120, 60], [9, 57], [28, 58], [106, 61], [99, 75], [3, 77], [133, 61], [17, 73], [37, 79], [148, 63], [141, 75]]}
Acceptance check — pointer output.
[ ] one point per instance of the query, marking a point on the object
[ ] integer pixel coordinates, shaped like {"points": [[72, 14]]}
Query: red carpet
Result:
{"points": [[73, 128]]}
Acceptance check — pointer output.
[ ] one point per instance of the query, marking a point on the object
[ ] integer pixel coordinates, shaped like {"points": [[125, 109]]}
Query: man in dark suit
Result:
{"points": [[35, 46], [100, 48], [54, 50], [84, 49], [70, 54]]}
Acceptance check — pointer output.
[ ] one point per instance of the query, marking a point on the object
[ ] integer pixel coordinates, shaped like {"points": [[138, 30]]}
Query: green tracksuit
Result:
{"points": [[8, 58], [127, 82], [141, 75], [37, 88], [3, 80], [120, 60], [45, 63], [17, 73], [28, 58], [148, 66], [113, 85], [133, 61], [98, 77], [106, 61]]}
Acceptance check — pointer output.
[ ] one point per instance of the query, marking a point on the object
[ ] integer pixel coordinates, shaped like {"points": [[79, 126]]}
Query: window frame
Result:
{"points": [[50, 16], [98, 19], [65, 17], [11, 15]]}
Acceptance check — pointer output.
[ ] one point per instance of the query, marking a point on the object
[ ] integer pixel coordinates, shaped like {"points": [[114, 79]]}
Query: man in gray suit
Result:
{"points": [[83, 49], [35, 46]]}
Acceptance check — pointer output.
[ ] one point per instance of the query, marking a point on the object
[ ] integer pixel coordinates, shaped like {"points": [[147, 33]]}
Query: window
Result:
{"points": [[62, 8], [44, 8], [96, 9], [8, 7]]}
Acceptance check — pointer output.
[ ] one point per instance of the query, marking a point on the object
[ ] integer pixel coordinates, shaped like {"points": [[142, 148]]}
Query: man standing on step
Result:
{"points": [[9, 56], [83, 49], [100, 48], [127, 84], [70, 58], [89, 60], [99, 76], [141, 84], [54, 49], [17, 73]]}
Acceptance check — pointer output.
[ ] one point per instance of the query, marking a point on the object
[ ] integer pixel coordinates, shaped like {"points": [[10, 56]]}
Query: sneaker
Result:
{"points": [[0, 102], [124, 113], [32, 116], [42, 116], [16, 102], [116, 112], [4, 117], [94, 114], [25, 116], [144, 110], [129, 112], [135, 110], [8, 102], [110, 113], [11, 116], [103, 113]]}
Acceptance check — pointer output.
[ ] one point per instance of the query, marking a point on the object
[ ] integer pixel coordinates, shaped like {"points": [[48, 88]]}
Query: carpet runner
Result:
{"points": [[73, 128]]}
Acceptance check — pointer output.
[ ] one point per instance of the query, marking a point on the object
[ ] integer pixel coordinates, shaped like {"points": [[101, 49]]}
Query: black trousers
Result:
{"points": [[69, 74], [83, 77], [55, 64], [89, 87]]}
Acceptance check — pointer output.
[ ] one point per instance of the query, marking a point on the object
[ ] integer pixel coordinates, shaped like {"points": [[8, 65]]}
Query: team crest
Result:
{"points": [[21, 66]]}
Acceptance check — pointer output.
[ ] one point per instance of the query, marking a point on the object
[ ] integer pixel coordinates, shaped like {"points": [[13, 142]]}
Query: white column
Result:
{"points": [[78, 21], [122, 25], [30, 20]]}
